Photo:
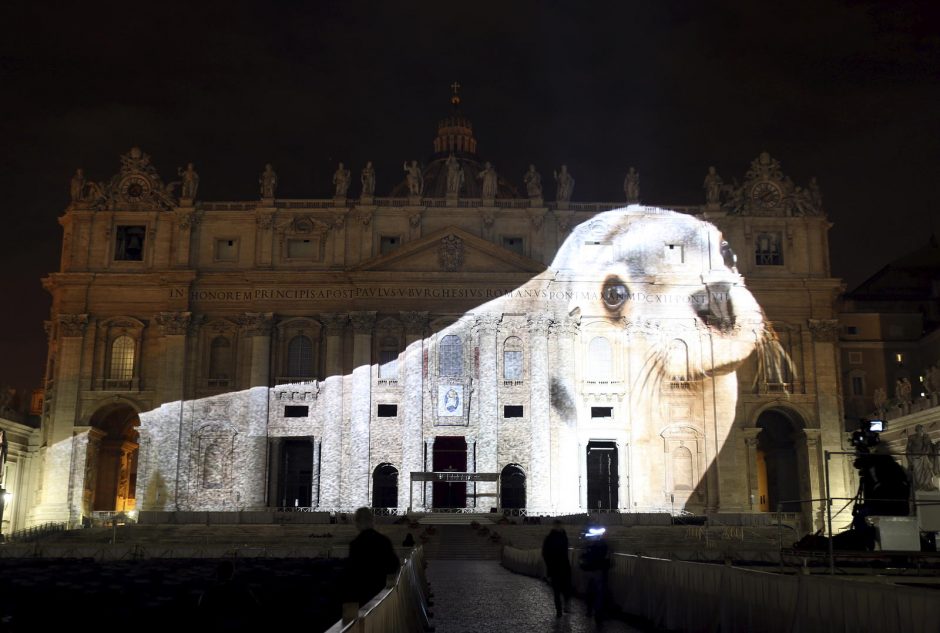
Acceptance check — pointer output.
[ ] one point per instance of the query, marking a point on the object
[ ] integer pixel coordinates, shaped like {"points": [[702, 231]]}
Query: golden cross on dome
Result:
{"points": [[455, 98]]}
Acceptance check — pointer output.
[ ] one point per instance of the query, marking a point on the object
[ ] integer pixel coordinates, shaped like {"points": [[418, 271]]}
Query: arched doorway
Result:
{"points": [[450, 455], [778, 468], [602, 479], [111, 466], [385, 486], [512, 487]]}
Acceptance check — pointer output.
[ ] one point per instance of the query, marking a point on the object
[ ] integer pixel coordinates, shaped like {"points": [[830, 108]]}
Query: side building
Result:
{"points": [[315, 353]]}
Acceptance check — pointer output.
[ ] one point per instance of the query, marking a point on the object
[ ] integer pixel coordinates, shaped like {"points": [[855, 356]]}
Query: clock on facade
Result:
{"points": [[135, 187], [766, 194]]}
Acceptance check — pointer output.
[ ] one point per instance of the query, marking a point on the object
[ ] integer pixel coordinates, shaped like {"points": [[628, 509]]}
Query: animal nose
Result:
{"points": [[713, 305]]}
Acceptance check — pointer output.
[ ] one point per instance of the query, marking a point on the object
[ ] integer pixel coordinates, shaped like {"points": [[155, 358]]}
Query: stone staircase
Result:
{"points": [[460, 541]]}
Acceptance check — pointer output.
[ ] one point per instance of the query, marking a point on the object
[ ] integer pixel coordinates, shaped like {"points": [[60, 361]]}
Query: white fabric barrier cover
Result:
{"points": [[693, 597]]}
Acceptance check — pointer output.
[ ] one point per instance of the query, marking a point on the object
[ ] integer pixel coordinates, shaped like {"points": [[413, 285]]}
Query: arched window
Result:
{"points": [[385, 486], [512, 359], [122, 358], [677, 361], [682, 474], [599, 360], [300, 357], [512, 487], [388, 358], [212, 466], [220, 358], [450, 356]]}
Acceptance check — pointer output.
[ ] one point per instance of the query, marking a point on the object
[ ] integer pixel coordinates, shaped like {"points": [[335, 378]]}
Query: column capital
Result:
{"points": [[334, 322], [173, 323], [257, 323], [363, 321], [539, 322], [415, 322], [72, 324], [487, 323], [824, 330]]}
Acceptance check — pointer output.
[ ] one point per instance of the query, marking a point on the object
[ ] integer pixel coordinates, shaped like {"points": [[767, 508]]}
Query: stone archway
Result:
{"points": [[111, 462], [780, 461]]}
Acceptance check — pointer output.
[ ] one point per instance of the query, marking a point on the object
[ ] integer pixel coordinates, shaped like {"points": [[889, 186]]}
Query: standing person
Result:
{"points": [[595, 561], [371, 559], [555, 554]]}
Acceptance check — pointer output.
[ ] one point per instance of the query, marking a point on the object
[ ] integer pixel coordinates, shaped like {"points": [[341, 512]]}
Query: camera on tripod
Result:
{"points": [[867, 435]]}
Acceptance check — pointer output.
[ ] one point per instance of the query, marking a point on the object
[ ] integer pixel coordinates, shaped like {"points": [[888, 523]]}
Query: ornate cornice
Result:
{"points": [[487, 324], [173, 323], [72, 324], [334, 322], [415, 322], [257, 323], [824, 330], [538, 323], [567, 327], [363, 321]]}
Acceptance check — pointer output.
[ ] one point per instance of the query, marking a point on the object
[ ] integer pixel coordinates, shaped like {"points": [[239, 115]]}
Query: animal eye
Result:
{"points": [[614, 294], [727, 253]]}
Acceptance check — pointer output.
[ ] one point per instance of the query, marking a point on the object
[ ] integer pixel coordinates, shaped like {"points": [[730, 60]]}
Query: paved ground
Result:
{"points": [[480, 596]]}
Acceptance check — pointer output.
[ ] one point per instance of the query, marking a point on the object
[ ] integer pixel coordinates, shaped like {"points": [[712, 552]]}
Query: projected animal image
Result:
{"points": [[609, 381]]}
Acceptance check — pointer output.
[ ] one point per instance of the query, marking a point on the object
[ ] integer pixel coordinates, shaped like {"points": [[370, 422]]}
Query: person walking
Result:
{"points": [[371, 559], [557, 566], [595, 562]]}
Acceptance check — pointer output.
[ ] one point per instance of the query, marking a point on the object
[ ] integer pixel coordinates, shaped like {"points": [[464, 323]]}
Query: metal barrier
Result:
{"points": [[400, 608], [694, 597], [36, 532]]}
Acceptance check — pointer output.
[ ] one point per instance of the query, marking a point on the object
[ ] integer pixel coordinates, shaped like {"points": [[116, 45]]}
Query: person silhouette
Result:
{"points": [[557, 566]]}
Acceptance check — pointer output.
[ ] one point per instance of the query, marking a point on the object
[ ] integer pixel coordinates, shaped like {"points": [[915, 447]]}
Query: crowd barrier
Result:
{"points": [[400, 608], [693, 597]]}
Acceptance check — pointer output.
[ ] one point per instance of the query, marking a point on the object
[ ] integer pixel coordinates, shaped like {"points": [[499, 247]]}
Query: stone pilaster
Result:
{"points": [[275, 445], [258, 329], [315, 482], [538, 495], [471, 468], [485, 328], [57, 466], [753, 482], [173, 328], [361, 408], [186, 222], [623, 476], [332, 444], [412, 446], [566, 496], [428, 492]]}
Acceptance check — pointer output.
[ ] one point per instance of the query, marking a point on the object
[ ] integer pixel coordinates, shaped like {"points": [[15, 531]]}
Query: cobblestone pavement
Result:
{"points": [[480, 596]]}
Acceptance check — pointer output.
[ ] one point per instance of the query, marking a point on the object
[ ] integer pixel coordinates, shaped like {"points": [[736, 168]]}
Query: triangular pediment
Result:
{"points": [[451, 249]]}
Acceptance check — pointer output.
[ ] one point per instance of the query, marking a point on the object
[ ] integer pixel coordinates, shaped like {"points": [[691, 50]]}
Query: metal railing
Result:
{"points": [[37, 532]]}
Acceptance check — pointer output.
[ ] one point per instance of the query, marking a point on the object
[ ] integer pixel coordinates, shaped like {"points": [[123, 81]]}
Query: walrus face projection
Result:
{"points": [[669, 278]]}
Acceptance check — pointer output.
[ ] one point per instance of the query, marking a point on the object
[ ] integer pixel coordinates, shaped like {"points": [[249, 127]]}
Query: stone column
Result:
{"points": [[275, 446], [471, 468], [538, 493], [623, 477], [332, 444], [57, 462], [826, 372], [86, 443], [428, 497], [753, 483], [486, 391], [566, 418], [412, 414], [258, 329], [315, 481], [811, 454], [360, 415]]}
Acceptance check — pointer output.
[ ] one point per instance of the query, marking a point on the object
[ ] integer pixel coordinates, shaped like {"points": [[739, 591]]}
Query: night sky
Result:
{"points": [[847, 92]]}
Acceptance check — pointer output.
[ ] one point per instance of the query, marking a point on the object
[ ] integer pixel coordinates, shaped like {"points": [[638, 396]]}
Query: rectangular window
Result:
{"points": [[514, 244], [296, 411], [673, 254], [388, 243], [602, 412], [855, 358], [851, 329], [388, 411], [768, 249], [226, 250], [512, 365], [303, 249], [129, 243], [388, 364], [512, 411], [858, 386]]}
